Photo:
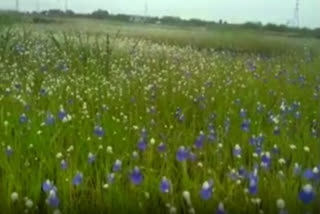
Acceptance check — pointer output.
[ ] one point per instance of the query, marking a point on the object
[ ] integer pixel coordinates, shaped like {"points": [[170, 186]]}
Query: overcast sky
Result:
{"points": [[236, 11]]}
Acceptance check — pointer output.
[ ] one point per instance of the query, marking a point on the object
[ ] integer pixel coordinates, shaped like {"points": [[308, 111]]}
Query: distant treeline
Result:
{"points": [[175, 21], [8, 18]]}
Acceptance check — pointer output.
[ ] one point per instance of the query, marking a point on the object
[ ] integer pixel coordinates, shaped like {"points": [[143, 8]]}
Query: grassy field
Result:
{"points": [[219, 38], [107, 117]]}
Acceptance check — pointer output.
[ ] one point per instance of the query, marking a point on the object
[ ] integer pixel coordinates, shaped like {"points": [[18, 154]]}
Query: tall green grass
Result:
{"points": [[9, 18], [239, 40], [131, 80]]}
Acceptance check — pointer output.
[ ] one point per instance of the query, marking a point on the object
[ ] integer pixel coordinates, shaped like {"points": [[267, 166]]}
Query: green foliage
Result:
{"points": [[42, 20], [100, 14], [9, 18], [139, 78]]}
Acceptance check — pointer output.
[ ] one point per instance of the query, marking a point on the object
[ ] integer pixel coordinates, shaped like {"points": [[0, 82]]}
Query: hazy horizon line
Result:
{"points": [[155, 16]]}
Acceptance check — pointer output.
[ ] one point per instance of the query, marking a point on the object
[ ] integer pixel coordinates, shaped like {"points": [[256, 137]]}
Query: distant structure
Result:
{"points": [[295, 21], [137, 19], [17, 5], [146, 8], [141, 18], [296, 16], [66, 5], [38, 6]]}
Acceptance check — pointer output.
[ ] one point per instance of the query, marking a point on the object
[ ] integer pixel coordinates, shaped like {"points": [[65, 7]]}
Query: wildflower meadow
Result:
{"points": [[118, 123]]}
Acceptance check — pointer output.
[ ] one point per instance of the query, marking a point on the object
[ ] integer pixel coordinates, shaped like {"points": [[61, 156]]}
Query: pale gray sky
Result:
{"points": [[236, 11]]}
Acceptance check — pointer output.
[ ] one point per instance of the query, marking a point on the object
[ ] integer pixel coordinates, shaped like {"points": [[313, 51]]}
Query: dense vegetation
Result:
{"points": [[9, 18], [176, 21], [104, 122]]}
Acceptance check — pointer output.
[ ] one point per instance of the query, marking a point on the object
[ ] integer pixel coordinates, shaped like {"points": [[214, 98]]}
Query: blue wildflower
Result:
{"points": [[233, 175], [133, 99], [245, 126], [9, 151], [144, 133], [181, 118], [237, 151], [98, 131], [281, 205], [295, 105], [63, 164], [212, 135], [153, 110], [105, 108], [91, 158], [200, 141], [212, 117], [243, 113], [220, 209], [316, 173], [253, 187], [260, 139], [53, 199], [276, 130], [17, 85], [314, 132], [192, 156], [110, 178], [253, 140], [206, 190], [253, 184], [260, 107], [266, 160], [275, 149], [227, 124], [49, 119], [307, 194], [136, 176], [210, 125], [182, 154], [23, 118], [179, 115], [47, 186], [308, 174], [237, 101], [296, 169], [283, 211], [258, 150], [27, 107], [43, 91], [117, 166], [178, 112], [62, 114], [142, 144], [162, 147], [242, 172], [70, 101], [62, 66], [77, 180], [164, 185]]}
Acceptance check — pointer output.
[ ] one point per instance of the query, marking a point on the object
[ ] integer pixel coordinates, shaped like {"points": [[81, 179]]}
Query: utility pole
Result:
{"points": [[17, 5], [297, 14], [38, 6], [66, 5], [146, 9]]}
